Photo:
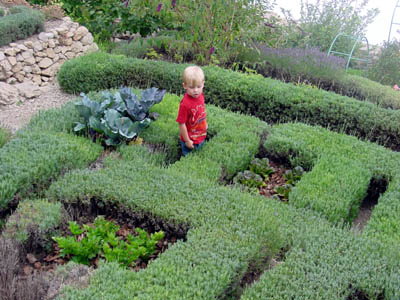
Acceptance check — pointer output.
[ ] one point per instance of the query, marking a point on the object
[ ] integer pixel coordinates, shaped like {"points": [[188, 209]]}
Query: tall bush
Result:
{"points": [[386, 68], [321, 21], [217, 25], [308, 65], [20, 23], [104, 18]]}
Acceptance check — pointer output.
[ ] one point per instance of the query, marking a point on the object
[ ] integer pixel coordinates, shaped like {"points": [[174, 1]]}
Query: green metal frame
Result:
{"points": [[349, 55], [393, 23]]}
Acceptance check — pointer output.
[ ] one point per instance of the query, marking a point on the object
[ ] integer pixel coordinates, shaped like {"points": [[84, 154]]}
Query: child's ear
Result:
{"points": [[184, 86]]}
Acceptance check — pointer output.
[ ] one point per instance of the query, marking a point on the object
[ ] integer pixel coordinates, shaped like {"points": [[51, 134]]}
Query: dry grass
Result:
{"points": [[13, 285]]}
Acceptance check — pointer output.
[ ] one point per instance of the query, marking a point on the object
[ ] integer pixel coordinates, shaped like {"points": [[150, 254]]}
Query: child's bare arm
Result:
{"points": [[185, 135]]}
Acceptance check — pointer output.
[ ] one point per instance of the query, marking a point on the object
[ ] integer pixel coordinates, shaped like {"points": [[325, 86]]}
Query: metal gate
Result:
{"points": [[350, 55], [392, 22]]}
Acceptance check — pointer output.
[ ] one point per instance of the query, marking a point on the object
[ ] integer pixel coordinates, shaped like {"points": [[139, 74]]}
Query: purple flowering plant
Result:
{"points": [[301, 65], [212, 50]]}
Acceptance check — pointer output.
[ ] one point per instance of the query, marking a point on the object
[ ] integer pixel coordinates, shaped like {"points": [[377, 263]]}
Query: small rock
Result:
{"points": [[10, 51], [8, 93], [22, 47], [28, 44], [31, 258], [45, 63], [28, 89], [80, 33], [43, 36], [28, 270], [37, 265], [87, 39], [26, 54], [37, 46]]}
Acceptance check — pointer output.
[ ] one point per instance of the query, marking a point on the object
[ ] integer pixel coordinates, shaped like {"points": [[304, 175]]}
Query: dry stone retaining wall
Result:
{"points": [[36, 60]]}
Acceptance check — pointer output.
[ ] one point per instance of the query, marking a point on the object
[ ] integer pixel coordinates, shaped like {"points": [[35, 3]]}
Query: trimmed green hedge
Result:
{"points": [[342, 168], [37, 217], [226, 152], [324, 77], [365, 89], [328, 263], [20, 23], [230, 232], [268, 99], [32, 159], [339, 82]]}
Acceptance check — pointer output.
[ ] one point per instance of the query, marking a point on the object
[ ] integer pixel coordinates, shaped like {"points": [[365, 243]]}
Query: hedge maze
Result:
{"points": [[228, 233], [303, 249]]}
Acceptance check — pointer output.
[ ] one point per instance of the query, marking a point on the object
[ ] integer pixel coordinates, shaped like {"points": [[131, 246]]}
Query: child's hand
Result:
{"points": [[189, 144]]}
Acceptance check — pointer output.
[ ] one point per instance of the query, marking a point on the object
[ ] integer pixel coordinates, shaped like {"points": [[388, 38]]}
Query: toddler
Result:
{"points": [[192, 117]]}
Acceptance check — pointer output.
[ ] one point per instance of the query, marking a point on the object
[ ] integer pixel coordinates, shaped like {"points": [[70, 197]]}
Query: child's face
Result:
{"points": [[194, 90]]}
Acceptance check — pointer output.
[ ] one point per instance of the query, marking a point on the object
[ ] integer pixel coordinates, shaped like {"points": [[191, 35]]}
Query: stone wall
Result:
{"points": [[38, 58], [27, 65]]}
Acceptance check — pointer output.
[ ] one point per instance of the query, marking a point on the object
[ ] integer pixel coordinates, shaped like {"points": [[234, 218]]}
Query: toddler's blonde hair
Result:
{"points": [[193, 75]]}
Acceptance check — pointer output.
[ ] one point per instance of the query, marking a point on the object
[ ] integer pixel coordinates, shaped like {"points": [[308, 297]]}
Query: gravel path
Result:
{"points": [[16, 116]]}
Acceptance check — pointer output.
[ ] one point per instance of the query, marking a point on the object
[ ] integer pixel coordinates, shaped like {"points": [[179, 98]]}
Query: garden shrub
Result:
{"points": [[386, 67], [20, 23], [104, 18], [32, 159], [2, 12], [166, 47], [36, 219], [342, 168], [40, 2], [220, 158], [320, 22], [136, 48], [152, 157], [55, 120], [369, 90], [19, 9], [300, 65], [52, 11], [309, 67], [312, 67], [229, 230], [326, 263], [268, 99]]}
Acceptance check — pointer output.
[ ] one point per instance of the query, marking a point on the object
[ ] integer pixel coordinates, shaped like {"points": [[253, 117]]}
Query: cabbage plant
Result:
{"points": [[117, 116]]}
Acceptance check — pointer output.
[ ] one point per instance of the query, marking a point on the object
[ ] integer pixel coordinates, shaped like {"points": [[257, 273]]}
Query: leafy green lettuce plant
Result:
{"points": [[86, 243], [291, 177], [249, 178], [119, 116], [261, 167]]}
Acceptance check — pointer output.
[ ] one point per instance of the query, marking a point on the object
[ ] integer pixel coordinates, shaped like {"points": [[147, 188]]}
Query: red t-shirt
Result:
{"points": [[192, 113]]}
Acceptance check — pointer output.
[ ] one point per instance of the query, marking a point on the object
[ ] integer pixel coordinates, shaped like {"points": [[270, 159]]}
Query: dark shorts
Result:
{"points": [[186, 150]]}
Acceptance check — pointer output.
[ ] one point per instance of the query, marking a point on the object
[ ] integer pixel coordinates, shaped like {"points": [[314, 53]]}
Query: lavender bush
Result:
{"points": [[305, 65]]}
